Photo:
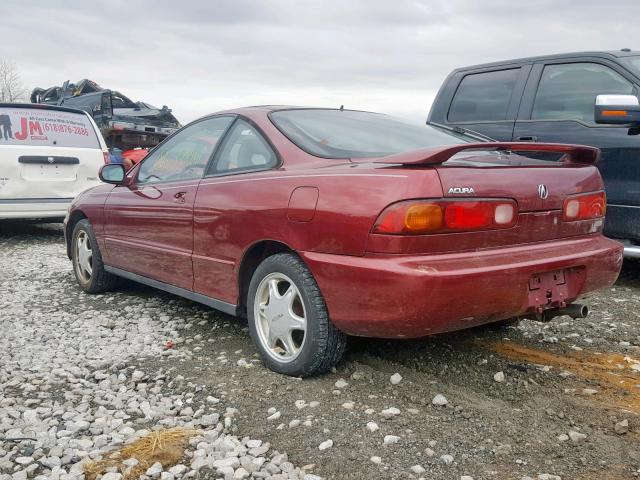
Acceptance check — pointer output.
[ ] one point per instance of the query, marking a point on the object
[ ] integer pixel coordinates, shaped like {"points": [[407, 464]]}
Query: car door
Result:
{"points": [[487, 101], [558, 107], [231, 199], [149, 223]]}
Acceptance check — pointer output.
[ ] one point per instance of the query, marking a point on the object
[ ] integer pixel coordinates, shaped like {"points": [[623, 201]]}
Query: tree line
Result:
{"points": [[11, 87]]}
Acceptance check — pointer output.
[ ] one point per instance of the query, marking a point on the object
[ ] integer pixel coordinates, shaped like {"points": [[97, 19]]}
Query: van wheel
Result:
{"points": [[288, 319], [87, 260]]}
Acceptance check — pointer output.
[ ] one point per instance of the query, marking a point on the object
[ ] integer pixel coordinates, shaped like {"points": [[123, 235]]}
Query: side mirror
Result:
{"points": [[112, 173], [617, 109]]}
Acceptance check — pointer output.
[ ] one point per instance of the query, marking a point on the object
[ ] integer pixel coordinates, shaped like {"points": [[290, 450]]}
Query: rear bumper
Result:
{"points": [[398, 296], [34, 208]]}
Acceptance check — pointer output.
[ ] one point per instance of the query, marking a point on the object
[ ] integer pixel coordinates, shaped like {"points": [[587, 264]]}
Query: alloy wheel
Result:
{"points": [[84, 256], [280, 317]]}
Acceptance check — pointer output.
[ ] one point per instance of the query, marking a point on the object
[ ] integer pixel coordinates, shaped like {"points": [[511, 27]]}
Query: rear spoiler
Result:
{"points": [[577, 154]]}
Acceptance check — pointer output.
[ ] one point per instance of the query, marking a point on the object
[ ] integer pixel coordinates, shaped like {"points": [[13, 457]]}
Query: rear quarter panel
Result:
{"points": [[231, 214]]}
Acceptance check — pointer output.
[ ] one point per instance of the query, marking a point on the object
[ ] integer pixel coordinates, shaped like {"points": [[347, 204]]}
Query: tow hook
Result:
{"points": [[574, 310]]}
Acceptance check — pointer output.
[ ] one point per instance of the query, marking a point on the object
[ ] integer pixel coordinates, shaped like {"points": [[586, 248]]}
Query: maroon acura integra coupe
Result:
{"points": [[317, 223]]}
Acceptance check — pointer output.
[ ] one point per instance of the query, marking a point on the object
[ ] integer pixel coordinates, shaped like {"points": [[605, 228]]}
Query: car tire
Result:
{"points": [[281, 292], [87, 260]]}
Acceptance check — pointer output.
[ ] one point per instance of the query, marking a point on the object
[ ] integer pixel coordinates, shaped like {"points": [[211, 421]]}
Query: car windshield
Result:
{"points": [[336, 133], [633, 62]]}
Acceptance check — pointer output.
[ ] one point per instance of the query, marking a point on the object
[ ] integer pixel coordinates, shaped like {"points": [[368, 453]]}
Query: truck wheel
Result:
{"points": [[87, 260], [288, 319]]}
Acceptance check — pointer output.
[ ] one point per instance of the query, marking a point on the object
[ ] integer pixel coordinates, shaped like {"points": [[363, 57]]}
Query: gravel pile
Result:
{"points": [[83, 376], [71, 393]]}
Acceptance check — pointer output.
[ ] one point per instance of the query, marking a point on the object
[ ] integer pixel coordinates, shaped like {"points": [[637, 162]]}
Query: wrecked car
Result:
{"points": [[125, 124], [317, 223]]}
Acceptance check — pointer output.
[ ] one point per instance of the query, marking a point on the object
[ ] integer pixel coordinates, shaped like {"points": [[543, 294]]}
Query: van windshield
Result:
{"points": [[332, 133], [46, 127]]}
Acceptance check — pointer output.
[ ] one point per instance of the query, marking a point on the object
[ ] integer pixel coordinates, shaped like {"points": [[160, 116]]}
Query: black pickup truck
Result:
{"points": [[588, 98]]}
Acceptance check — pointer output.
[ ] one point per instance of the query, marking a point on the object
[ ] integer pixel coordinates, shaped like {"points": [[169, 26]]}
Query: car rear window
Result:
{"points": [[484, 96], [44, 127], [333, 133]]}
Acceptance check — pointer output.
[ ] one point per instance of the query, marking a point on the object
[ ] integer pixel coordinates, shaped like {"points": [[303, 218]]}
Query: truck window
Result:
{"points": [[120, 101], [632, 62], [568, 91], [483, 96]]}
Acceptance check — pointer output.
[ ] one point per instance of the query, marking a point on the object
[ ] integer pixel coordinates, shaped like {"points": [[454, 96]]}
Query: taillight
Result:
{"points": [[419, 217], [584, 206], [105, 155]]}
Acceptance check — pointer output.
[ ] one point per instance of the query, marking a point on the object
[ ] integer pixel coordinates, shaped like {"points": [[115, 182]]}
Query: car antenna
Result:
{"points": [[341, 108]]}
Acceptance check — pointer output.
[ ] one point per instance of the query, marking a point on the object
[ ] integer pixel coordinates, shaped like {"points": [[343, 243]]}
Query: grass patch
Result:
{"points": [[164, 446]]}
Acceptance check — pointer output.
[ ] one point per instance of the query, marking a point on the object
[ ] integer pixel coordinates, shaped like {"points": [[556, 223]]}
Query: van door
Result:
{"points": [[487, 101], [558, 107], [47, 157]]}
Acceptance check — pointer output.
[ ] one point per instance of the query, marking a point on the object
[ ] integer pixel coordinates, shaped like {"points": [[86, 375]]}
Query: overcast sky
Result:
{"points": [[201, 56]]}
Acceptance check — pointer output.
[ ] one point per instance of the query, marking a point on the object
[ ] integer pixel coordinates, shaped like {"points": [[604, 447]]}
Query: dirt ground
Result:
{"points": [[570, 388]]}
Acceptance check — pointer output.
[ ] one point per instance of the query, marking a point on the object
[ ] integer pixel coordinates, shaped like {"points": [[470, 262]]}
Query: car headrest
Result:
{"points": [[253, 152]]}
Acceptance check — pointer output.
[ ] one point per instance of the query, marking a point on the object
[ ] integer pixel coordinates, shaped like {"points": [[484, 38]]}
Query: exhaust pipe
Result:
{"points": [[574, 310]]}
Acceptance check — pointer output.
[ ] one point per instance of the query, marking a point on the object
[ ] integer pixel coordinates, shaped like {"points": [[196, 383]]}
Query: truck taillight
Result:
{"points": [[420, 217], [584, 206]]}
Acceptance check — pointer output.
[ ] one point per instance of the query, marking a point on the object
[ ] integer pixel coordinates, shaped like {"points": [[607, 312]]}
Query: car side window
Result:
{"points": [[568, 91], [484, 96], [185, 155], [244, 149]]}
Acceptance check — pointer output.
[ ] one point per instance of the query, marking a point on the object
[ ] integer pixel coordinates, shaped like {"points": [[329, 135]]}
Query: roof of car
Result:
{"points": [[275, 108], [602, 54], [42, 106]]}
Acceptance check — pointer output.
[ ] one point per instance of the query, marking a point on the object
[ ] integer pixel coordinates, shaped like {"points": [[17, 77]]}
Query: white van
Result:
{"points": [[48, 155]]}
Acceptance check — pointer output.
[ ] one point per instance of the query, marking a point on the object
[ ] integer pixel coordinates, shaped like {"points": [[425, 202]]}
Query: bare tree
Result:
{"points": [[11, 86]]}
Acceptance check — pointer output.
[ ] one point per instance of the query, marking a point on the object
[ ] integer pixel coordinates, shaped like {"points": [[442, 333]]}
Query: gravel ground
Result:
{"points": [[82, 375]]}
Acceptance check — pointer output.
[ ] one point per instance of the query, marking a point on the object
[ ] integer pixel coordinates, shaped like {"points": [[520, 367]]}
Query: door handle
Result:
{"points": [[527, 138], [179, 197]]}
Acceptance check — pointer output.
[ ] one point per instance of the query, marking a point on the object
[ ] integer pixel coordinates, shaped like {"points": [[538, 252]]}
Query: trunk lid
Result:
{"points": [[495, 173], [536, 185], [537, 175]]}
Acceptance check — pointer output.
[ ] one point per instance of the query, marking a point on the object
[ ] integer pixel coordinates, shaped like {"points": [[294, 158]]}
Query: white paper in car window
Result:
{"points": [[40, 127]]}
